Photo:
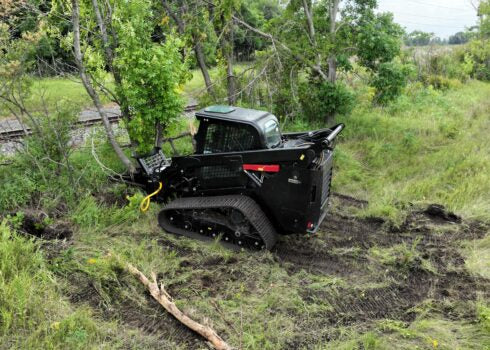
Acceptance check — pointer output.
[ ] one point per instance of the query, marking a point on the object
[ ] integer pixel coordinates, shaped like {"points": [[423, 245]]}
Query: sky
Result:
{"points": [[441, 17]]}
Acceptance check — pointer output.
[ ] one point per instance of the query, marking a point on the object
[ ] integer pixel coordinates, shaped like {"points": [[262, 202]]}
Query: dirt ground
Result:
{"points": [[342, 249], [385, 272]]}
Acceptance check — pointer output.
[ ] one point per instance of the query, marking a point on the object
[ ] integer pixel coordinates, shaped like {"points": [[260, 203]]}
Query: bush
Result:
{"points": [[16, 189], [321, 101], [477, 60], [441, 82], [446, 64], [389, 81]]}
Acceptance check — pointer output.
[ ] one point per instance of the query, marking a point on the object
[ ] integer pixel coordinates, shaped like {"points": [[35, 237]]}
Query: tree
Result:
{"points": [[484, 14], [88, 84], [458, 38], [477, 56], [321, 38], [191, 20], [147, 74], [151, 74], [418, 38]]}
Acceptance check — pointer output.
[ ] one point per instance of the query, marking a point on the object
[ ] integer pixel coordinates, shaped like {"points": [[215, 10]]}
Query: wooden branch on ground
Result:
{"points": [[161, 295]]}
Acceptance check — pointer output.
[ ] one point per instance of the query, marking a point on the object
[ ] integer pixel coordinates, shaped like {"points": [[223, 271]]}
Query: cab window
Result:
{"points": [[224, 137], [272, 133]]}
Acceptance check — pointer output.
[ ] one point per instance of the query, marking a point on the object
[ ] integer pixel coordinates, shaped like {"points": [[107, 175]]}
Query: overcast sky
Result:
{"points": [[442, 17]]}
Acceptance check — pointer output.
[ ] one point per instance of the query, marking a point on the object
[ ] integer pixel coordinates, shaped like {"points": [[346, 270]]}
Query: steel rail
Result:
{"points": [[16, 134]]}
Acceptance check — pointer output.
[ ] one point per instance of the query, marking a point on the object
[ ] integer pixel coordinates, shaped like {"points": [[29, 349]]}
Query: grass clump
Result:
{"points": [[477, 254]]}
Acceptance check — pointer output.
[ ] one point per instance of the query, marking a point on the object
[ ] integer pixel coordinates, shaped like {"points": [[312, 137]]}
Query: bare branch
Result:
{"points": [[164, 299]]}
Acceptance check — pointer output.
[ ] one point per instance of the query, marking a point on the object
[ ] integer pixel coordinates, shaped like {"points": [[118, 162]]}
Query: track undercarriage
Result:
{"points": [[236, 220]]}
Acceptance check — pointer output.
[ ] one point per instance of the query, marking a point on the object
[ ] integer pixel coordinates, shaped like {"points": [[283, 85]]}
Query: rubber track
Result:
{"points": [[246, 205]]}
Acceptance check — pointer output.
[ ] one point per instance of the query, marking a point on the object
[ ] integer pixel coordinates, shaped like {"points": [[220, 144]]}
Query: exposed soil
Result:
{"points": [[38, 224], [378, 291]]}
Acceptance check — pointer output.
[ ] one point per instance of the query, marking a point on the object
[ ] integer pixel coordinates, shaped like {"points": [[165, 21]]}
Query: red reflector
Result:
{"points": [[262, 167], [310, 225]]}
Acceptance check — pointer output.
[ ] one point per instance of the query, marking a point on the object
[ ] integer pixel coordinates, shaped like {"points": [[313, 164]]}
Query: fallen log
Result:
{"points": [[161, 295]]}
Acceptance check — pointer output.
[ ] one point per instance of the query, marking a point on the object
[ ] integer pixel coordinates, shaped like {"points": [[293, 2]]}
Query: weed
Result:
{"points": [[32, 313], [483, 313]]}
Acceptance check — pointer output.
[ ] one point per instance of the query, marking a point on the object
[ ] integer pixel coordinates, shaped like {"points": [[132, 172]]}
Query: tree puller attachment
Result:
{"points": [[246, 183]]}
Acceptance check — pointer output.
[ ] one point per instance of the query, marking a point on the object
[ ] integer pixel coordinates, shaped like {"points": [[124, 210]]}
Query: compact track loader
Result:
{"points": [[246, 183]]}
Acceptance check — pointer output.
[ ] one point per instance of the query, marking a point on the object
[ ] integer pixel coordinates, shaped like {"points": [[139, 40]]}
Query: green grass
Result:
{"points": [[428, 147], [477, 255], [70, 90], [48, 93], [33, 314]]}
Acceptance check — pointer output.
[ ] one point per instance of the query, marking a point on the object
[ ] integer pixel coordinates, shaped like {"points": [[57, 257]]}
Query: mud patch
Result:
{"points": [[437, 211]]}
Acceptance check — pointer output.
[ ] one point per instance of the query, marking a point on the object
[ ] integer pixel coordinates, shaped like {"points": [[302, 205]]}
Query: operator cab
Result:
{"points": [[235, 129]]}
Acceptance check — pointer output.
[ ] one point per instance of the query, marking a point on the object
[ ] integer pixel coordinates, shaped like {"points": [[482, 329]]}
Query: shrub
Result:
{"points": [[16, 189], [446, 64], [389, 81], [321, 101], [477, 59], [441, 82]]}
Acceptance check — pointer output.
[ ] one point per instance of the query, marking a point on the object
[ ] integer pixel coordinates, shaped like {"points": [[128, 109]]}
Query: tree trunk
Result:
{"points": [[228, 51], [202, 64], [109, 59], [159, 135], [231, 80], [332, 69], [309, 21], [90, 89], [177, 19], [332, 60]]}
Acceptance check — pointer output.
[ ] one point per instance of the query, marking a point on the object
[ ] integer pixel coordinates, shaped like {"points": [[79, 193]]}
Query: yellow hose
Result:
{"points": [[145, 203]]}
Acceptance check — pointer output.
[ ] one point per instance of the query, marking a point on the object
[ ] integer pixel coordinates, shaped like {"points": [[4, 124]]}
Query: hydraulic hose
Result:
{"points": [[145, 203]]}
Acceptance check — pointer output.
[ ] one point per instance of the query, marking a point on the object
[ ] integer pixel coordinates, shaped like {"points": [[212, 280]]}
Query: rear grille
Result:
{"points": [[327, 176], [326, 184]]}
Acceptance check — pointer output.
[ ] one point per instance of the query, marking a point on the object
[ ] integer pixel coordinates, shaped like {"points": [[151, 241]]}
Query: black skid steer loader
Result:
{"points": [[246, 183]]}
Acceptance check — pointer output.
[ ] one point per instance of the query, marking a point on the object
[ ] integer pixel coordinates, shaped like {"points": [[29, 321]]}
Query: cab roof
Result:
{"points": [[233, 114]]}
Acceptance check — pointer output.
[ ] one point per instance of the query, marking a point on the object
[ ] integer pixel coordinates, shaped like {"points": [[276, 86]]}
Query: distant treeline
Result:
{"points": [[420, 38]]}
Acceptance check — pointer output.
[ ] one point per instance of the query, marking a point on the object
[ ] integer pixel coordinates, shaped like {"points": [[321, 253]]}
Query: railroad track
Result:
{"points": [[19, 132]]}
